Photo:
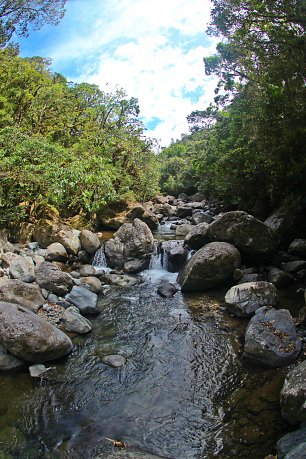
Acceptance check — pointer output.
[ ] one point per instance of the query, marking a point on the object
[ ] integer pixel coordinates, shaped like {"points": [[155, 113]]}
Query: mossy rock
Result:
{"points": [[4, 455], [11, 437]]}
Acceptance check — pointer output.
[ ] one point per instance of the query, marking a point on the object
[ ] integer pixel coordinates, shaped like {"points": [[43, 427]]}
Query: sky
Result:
{"points": [[152, 49]]}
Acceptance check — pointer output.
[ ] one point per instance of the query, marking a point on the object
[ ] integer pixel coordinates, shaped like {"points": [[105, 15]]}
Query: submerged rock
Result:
{"points": [[209, 267], [27, 336], [167, 290], [271, 339], [115, 360]]}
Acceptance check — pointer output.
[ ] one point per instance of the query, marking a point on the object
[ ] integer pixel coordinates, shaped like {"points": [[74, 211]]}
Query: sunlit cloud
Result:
{"points": [[153, 50]]}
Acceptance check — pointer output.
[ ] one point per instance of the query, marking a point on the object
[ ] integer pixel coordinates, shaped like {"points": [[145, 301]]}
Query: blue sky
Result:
{"points": [[154, 50]]}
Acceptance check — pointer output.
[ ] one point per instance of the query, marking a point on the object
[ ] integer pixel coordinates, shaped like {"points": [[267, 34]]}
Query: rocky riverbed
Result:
{"points": [[189, 365]]}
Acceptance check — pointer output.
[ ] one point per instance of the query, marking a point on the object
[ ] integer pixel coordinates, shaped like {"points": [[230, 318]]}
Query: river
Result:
{"points": [[184, 392]]}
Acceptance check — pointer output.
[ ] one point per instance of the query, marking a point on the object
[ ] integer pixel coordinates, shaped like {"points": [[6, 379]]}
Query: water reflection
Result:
{"points": [[171, 399]]}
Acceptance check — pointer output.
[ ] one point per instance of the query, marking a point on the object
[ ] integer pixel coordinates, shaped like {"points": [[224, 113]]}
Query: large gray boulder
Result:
{"points": [[271, 340], [244, 299], [45, 231], [90, 241], [293, 395], [50, 277], [69, 239], [131, 241], [211, 266], [22, 293], [197, 236], [27, 336], [83, 299], [251, 236]]}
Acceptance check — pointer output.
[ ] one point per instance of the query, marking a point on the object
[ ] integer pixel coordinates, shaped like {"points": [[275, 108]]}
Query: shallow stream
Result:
{"points": [[183, 393]]}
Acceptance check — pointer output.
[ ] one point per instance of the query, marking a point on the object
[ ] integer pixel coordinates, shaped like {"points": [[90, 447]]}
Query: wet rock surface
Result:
{"points": [[293, 395], [271, 339]]}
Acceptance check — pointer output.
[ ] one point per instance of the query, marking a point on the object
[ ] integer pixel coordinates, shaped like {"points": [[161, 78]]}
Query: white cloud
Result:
{"points": [[151, 49]]}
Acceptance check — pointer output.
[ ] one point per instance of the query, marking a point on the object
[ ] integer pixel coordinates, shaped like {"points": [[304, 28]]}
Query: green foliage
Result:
{"points": [[19, 16], [70, 145], [250, 146]]}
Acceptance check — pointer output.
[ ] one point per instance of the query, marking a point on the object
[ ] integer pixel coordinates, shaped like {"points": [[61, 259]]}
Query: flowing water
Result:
{"points": [[183, 393]]}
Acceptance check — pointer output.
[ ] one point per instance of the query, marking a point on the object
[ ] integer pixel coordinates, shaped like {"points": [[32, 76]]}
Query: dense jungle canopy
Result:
{"points": [[77, 147]]}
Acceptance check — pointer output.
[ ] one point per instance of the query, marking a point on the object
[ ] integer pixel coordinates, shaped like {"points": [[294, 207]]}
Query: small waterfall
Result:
{"points": [[99, 261], [157, 259]]}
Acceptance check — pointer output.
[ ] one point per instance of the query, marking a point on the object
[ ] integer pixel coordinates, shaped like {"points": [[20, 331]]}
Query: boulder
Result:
{"points": [[145, 215], [22, 268], [294, 266], [280, 278], [119, 280], [114, 360], [183, 211], [131, 241], [174, 255], [83, 299], [298, 452], [252, 237], [7, 258], [211, 266], [198, 216], [183, 230], [92, 283], [56, 252], [136, 266], [197, 236], [288, 221], [50, 277], [289, 442], [160, 199], [90, 241], [87, 270], [244, 299], [271, 340], [45, 231], [8, 361], [167, 290], [3, 240], [27, 336], [75, 322], [167, 210], [293, 395], [69, 239], [22, 293], [298, 247]]}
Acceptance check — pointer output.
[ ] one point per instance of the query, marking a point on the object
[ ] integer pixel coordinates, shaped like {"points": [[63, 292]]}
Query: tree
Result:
{"points": [[19, 16]]}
